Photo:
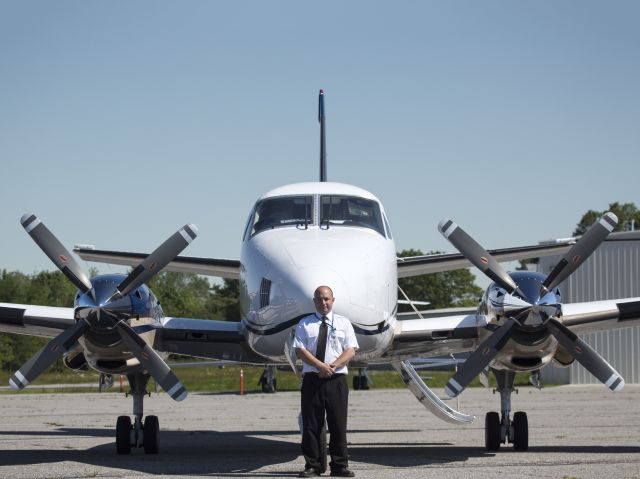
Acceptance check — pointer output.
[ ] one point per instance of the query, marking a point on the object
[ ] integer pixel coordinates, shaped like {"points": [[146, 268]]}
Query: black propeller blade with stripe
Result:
{"points": [[153, 363], [580, 251], [56, 251], [157, 260], [475, 253], [47, 356], [480, 358], [586, 355]]}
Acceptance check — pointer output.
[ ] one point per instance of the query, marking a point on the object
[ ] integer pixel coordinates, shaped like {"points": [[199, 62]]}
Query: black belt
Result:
{"points": [[333, 376]]}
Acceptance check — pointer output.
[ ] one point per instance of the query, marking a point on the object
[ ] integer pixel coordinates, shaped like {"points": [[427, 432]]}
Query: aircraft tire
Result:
{"points": [[356, 383], [364, 383], [492, 431], [520, 431], [151, 435], [123, 435]]}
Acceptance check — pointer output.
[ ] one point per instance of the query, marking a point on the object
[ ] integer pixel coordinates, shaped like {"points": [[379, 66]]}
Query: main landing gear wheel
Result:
{"points": [[520, 431], [151, 435], [123, 435], [268, 382], [360, 383], [492, 431], [269, 387]]}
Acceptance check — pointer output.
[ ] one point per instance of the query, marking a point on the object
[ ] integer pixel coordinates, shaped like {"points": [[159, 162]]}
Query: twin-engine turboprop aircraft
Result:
{"points": [[298, 237]]}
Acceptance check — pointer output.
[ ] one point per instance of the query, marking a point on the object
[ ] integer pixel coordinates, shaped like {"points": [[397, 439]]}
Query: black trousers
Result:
{"points": [[330, 395]]}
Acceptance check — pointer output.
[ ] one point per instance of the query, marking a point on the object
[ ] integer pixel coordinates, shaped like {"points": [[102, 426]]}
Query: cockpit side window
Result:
{"points": [[351, 211], [281, 212], [247, 227], [387, 227]]}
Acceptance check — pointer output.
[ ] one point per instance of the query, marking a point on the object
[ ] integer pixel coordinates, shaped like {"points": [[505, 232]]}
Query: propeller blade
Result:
{"points": [[475, 253], [580, 251], [47, 356], [55, 250], [153, 363], [586, 355], [480, 359], [157, 260]]}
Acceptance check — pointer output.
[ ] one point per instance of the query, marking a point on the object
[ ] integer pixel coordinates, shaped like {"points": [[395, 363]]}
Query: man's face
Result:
{"points": [[323, 300]]}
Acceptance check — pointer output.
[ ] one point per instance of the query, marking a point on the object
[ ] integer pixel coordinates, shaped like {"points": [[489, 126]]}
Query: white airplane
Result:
{"points": [[298, 237]]}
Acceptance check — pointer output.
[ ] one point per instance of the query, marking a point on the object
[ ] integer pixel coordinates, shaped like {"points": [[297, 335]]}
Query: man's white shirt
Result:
{"points": [[340, 336]]}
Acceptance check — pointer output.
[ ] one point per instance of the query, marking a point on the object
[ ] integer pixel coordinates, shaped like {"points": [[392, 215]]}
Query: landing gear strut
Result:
{"points": [[500, 429], [138, 434]]}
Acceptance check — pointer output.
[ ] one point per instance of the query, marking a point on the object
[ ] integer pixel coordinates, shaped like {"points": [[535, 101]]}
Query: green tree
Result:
{"points": [[47, 288], [190, 295], [626, 212], [182, 294], [227, 300], [455, 288]]}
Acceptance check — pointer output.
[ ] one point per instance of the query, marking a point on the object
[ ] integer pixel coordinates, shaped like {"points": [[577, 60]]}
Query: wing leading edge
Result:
{"points": [[222, 268], [437, 263], [44, 321]]}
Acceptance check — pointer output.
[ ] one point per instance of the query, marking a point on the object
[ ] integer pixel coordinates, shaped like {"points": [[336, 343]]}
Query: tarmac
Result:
{"points": [[574, 432]]}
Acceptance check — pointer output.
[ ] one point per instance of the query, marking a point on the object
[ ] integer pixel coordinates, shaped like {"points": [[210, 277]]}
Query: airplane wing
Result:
{"points": [[201, 338], [601, 315], [437, 263], [44, 321], [436, 333], [222, 268], [440, 333]]}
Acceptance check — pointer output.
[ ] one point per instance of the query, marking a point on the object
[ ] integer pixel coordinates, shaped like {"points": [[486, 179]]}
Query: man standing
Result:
{"points": [[325, 342]]}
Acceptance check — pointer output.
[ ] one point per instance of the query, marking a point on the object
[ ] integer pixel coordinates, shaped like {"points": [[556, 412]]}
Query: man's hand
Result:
{"points": [[326, 370]]}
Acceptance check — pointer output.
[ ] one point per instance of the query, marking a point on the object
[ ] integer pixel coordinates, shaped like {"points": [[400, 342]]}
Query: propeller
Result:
{"points": [[103, 311], [523, 308]]}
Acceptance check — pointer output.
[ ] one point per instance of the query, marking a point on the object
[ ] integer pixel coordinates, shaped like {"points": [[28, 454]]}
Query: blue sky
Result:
{"points": [[122, 121]]}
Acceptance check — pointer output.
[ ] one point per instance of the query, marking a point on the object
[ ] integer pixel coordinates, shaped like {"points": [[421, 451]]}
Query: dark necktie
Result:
{"points": [[322, 340]]}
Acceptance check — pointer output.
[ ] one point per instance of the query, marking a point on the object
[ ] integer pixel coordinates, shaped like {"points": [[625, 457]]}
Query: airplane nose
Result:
{"points": [[309, 278]]}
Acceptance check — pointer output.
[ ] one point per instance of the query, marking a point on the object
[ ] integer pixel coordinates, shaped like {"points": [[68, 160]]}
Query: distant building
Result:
{"points": [[613, 271]]}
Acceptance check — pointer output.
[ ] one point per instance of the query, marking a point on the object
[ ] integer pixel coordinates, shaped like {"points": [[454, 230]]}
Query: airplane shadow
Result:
{"points": [[244, 453]]}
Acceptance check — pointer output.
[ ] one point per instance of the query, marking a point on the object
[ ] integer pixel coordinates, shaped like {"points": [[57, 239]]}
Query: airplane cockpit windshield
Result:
{"points": [[282, 211], [351, 211], [298, 211]]}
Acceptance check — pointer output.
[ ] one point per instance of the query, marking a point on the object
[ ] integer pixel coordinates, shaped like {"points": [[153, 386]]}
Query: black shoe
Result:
{"points": [[344, 472], [309, 472]]}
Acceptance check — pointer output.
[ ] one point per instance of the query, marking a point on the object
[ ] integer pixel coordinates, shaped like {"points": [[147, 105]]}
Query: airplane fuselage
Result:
{"points": [[323, 234]]}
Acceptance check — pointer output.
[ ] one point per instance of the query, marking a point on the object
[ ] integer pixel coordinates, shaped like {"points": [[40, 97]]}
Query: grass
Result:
{"points": [[226, 379]]}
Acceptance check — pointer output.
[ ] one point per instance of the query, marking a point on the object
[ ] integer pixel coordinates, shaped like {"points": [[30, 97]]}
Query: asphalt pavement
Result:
{"points": [[575, 432]]}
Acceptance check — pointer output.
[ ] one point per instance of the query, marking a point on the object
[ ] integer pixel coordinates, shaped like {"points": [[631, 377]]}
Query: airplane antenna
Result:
{"points": [[323, 150]]}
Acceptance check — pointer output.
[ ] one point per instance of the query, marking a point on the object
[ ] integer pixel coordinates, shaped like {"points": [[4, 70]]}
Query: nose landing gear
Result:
{"points": [[500, 429], [138, 434]]}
